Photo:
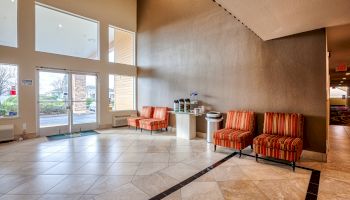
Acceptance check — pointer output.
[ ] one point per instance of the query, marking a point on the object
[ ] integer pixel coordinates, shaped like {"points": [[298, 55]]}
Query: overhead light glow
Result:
{"points": [[60, 25], [341, 81], [347, 73], [344, 78]]}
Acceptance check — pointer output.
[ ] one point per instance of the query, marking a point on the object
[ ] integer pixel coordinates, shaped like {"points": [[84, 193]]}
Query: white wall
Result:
{"points": [[119, 13]]}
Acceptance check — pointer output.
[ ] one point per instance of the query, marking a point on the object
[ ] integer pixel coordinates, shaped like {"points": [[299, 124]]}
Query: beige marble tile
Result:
{"points": [[155, 183], [37, 184], [9, 182], [156, 157], [150, 168], [131, 157], [124, 169], [174, 196], [59, 197], [201, 190], [238, 189], [284, 189], [93, 168], [74, 184], [19, 197], [225, 173], [108, 183], [332, 186], [180, 171], [64, 168], [126, 192]]}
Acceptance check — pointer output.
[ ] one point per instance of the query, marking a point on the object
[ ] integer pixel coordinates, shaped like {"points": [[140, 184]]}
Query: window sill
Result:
{"points": [[9, 118]]}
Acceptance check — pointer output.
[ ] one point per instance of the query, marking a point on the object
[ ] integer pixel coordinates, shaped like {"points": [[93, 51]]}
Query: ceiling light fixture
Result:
{"points": [[347, 73], [344, 78], [341, 81], [339, 84], [60, 26]]}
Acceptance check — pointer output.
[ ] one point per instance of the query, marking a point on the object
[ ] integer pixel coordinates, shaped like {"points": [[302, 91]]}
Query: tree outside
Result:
{"points": [[8, 90]]}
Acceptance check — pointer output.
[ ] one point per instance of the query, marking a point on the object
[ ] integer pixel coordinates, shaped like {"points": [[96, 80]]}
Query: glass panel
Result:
{"points": [[121, 92], [53, 99], [338, 92], [66, 34], [8, 91], [8, 23], [121, 46], [84, 98]]}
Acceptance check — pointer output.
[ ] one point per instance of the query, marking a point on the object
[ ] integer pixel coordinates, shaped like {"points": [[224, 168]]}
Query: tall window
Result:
{"points": [[8, 91], [121, 92], [64, 33], [8, 23], [121, 46]]}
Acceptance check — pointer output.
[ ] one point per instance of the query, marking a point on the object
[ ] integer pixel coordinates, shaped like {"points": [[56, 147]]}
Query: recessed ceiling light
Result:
{"points": [[12, 1], [344, 78], [347, 74], [341, 81], [60, 26], [339, 84]]}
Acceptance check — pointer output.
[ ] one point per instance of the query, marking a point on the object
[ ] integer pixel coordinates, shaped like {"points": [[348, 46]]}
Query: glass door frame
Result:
{"points": [[70, 127]]}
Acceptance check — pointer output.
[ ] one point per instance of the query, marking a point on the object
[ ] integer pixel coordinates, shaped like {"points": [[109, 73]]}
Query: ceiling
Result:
{"points": [[271, 19]]}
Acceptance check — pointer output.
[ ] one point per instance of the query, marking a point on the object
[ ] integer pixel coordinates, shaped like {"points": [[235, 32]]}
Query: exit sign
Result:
{"points": [[341, 68]]}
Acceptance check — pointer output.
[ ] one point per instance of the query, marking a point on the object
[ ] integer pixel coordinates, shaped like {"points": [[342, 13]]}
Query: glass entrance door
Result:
{"points": [[67, 102]]}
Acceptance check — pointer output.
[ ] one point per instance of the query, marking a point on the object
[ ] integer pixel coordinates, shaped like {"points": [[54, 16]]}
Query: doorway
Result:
{"points": [[67, 102]]}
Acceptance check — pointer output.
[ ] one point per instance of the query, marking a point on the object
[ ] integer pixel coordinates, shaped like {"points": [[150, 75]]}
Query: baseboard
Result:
{"points": [[313, 155], [104, 126], [201, 135]]}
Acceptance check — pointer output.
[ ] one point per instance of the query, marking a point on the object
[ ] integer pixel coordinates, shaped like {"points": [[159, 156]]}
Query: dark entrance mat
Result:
{"points": [[73, 135]]}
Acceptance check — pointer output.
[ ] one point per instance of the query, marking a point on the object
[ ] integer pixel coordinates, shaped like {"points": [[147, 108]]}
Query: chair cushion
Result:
{"points": [[147, 112], [153, 124], [233, 135], [241, 120], [284, 124], [278, 142]]}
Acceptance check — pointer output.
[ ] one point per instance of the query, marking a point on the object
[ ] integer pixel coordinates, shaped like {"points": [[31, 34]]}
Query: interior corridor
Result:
{"points": [[335, 174]]}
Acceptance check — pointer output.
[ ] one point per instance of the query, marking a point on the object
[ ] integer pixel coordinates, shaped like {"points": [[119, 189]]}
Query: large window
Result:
{"points": [[121, 46], [338, 92], [121, 92], [8, 23], [63, 33], [8, 91]]}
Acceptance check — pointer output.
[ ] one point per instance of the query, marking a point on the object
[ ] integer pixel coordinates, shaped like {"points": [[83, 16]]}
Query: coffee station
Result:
{"points": [[186, 111]]}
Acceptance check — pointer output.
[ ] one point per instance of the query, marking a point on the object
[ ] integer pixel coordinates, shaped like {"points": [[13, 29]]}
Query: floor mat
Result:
{"points": [[340, 115], [73, 135]]}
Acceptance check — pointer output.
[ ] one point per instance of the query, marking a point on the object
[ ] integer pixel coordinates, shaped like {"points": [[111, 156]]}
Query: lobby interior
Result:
{"points": [[74, 73]]}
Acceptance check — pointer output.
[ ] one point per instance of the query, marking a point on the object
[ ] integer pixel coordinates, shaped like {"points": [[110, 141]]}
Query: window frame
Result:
{"points": [[134, 93], [17, 35], [133, 45], [98, 57], [17, 93]]}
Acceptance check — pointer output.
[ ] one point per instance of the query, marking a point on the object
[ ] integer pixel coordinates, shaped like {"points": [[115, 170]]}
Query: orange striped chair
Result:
{"points": [[159, 120], [238, 131], [146, 113], [282, 137]]}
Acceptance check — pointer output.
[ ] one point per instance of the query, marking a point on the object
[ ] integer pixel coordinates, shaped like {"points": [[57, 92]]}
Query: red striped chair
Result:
{"points": [[146, 113], [282, 137], [238, 131], [159, 120]]}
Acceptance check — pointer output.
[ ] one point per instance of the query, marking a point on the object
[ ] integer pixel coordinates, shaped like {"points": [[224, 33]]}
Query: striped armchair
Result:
{"points": [[159, 120], [146, 113], [282, 137], [238, 131]]}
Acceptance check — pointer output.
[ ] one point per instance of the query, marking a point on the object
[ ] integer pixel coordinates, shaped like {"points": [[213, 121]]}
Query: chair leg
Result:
{"points": [[214, 147], [251, 146], [141, 129], [256, 157], [136, 127], [151, 132], [166, 129], [293, 165], [240, 153]]}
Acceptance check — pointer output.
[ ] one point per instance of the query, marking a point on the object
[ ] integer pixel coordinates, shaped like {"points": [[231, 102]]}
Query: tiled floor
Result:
{"points": [[125, 164]]}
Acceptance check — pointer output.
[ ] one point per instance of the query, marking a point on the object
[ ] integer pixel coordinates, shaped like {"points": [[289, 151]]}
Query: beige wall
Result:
{"points": [[186, 46], [119, 13]]}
